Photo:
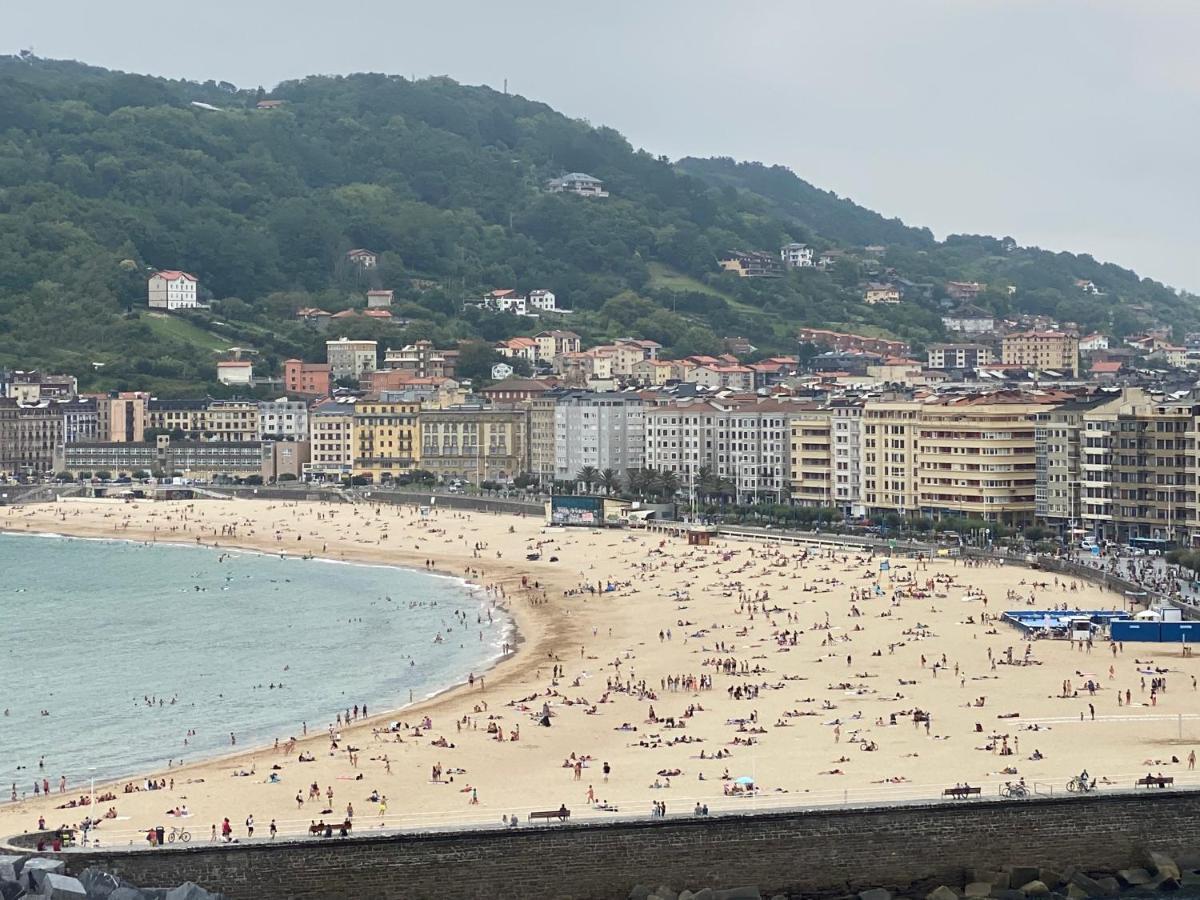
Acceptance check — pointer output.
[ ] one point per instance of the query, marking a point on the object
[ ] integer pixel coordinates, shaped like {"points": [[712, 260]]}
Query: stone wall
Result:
{"points": [[820, 851]]}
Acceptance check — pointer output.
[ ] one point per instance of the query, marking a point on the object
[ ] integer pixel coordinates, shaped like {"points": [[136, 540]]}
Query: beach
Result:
{"points": [[734, 676]]}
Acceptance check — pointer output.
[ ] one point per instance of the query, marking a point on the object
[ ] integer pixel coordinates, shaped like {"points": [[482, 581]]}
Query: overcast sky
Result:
{"points": [[1069, 124]]}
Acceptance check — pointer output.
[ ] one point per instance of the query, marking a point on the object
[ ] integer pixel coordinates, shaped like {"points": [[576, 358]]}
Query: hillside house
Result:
{"points": [[752, 264], [796, 256], [579, 183], [367, 259], [172, 289], [379, 299]]}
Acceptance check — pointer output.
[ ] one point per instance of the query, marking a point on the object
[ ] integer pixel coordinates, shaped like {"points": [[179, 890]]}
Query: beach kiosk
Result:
{"points": [[700, 535]]}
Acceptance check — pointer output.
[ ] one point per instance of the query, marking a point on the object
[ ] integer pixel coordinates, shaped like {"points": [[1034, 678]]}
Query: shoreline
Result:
{"points": [[500, 663]]}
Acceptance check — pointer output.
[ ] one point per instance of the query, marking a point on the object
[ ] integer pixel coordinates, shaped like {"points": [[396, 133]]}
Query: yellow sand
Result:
{"points": [[831, 675]]}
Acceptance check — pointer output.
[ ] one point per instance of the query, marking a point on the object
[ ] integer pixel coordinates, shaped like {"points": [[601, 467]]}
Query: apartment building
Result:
{"points": [[475, 443], [29, 436], [1042, 350], [420, 359], [846, 425], [958, 356], [812, 457], [331, 441], [385, 437], [1138, 469], [541, 436], [283, 420], [349, 359], [233, 421], [80, 420], [304, 379], [747, 442], [603, 431], [179, 417], [1057, 438], [889, 455]]}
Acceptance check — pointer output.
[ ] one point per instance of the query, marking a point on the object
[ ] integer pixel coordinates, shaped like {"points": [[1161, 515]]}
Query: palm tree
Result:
{"points": [[668, 483], [637, 481], [705, 483], [588, 476], [610, 480]]}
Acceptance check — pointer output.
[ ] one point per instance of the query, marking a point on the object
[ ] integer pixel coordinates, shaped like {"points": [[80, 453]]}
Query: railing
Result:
{"points": [[681, 804]]}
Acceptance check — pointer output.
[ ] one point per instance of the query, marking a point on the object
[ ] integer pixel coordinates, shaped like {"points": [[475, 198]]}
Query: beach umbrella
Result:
{"points": [[745, 779]]}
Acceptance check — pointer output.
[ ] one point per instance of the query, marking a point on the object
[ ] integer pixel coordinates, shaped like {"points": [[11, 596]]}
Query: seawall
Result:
{"points": [[826, 851]]}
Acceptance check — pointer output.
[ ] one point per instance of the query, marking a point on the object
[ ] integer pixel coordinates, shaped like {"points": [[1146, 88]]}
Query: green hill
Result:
{"points": [[105, 176]]}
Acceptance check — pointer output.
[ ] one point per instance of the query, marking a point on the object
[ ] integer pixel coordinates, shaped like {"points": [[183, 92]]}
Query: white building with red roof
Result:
{"points": [[173, 289]]}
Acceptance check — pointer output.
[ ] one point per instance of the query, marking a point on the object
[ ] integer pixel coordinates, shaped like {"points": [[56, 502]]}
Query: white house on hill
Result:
{"points": [[173, 289]]}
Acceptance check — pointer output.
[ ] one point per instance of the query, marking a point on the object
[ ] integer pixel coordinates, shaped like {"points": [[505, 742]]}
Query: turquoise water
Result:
{"points": [[91, 629]]}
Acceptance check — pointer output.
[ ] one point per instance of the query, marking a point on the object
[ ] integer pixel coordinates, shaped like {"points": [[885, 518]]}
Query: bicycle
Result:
{"points": [[1012, 791], [1079, 785], [182, 833]]}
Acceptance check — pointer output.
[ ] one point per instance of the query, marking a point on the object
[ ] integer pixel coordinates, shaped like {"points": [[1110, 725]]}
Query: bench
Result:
{"points": [[959, 792], [329, 829], [1151, 781], [562, 814]]}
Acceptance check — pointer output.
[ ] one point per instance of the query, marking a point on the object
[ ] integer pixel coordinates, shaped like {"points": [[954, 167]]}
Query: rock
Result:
{"points": [[36, 869], [1134, 877], [125, 892], [10, 889], [1022, 875], [750, 892], [875, 894], [10, 867], [1035, 888], [686, 895], [942, 893], [703, 894], [1090, 886], [1163, 865], [62, 887], [639, 892], [780, 897], [1007, 894], [662, 892], [1052, 878], [991, 876], [1075, 892], [190, 891], [978, 889], [1111, 886]]}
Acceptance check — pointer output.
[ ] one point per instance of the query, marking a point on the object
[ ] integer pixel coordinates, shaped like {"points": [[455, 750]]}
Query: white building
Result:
{"points": [[1093, 342], [578, 183], [796, 256], [544, 301], [368, 259], [173, 289], [350, 359], [744, 442], [380, 299], [847, 457], [601, 430], [236, 371], [283, 420], [969, 319]]}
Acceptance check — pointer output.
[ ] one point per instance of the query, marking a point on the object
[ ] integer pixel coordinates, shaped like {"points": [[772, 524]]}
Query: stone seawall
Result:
{"points": [[811, 852]]}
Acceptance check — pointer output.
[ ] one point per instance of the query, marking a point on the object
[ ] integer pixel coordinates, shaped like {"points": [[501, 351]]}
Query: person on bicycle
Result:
{"points": [[1084, 783]]}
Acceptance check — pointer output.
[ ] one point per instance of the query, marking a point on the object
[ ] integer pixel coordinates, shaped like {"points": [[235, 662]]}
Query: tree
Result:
{"points": [[587, 476], [668, 483], [610, 480], [475, 361]]}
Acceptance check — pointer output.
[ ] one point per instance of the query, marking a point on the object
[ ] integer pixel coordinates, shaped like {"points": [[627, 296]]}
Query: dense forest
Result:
{"points": [[107, 176]]}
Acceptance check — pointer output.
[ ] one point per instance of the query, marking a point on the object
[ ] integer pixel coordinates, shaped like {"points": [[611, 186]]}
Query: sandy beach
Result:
{"points": [[738, 675]]}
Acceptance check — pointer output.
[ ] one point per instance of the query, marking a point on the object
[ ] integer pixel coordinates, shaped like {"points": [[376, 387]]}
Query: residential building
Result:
{"points": [[172, 289], [282, 420], [121, 417], [81, 422], [216, 460], [603, 431], [519, 348], [1042, 350], [1058, 439], [1092, 342], [29, 436], [317, 319], [350, 359], [542, 436], [235, 372], [502, 300], [846, 424], [881, 293], [380, 299], [842, 342], [796, 256], [657, 372], [180, 418], [646, 349], [963, 290], [233, 421], [386, 436], [544, 301], [752, 264], [888, 432], [514, 390], [722, 378], [30, 387], [367, 259], [579, 183], [331, 442], [555, 343], [305, 379], [475, 443], [746, 442], [958, 356], [1138, 469], [968, 319], [811, 457], [420, 360]]}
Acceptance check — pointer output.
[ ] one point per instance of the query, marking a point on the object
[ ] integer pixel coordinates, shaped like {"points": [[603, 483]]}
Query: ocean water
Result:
{"points": [[90, 629]]}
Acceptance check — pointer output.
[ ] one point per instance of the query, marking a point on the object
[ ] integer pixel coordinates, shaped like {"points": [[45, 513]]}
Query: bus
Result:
{"points": [[1153, 546]]}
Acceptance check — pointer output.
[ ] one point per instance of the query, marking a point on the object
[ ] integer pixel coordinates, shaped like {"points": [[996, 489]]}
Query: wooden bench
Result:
{"points": [[329, 829], [562, 814], [959, 792], [1151, 781]]}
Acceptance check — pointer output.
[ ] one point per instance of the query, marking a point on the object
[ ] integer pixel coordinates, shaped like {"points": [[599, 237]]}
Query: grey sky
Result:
{"points": [[1070, 124]]}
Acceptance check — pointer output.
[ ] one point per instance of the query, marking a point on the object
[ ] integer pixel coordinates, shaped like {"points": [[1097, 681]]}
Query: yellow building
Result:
{"points": [[475, 443], [889, 455], [1041, 350], [232, 420], [385, 437], [811, 457]]}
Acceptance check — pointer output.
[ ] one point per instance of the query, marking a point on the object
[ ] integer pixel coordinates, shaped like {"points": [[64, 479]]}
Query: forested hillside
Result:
{"points": [[105, 176]]}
